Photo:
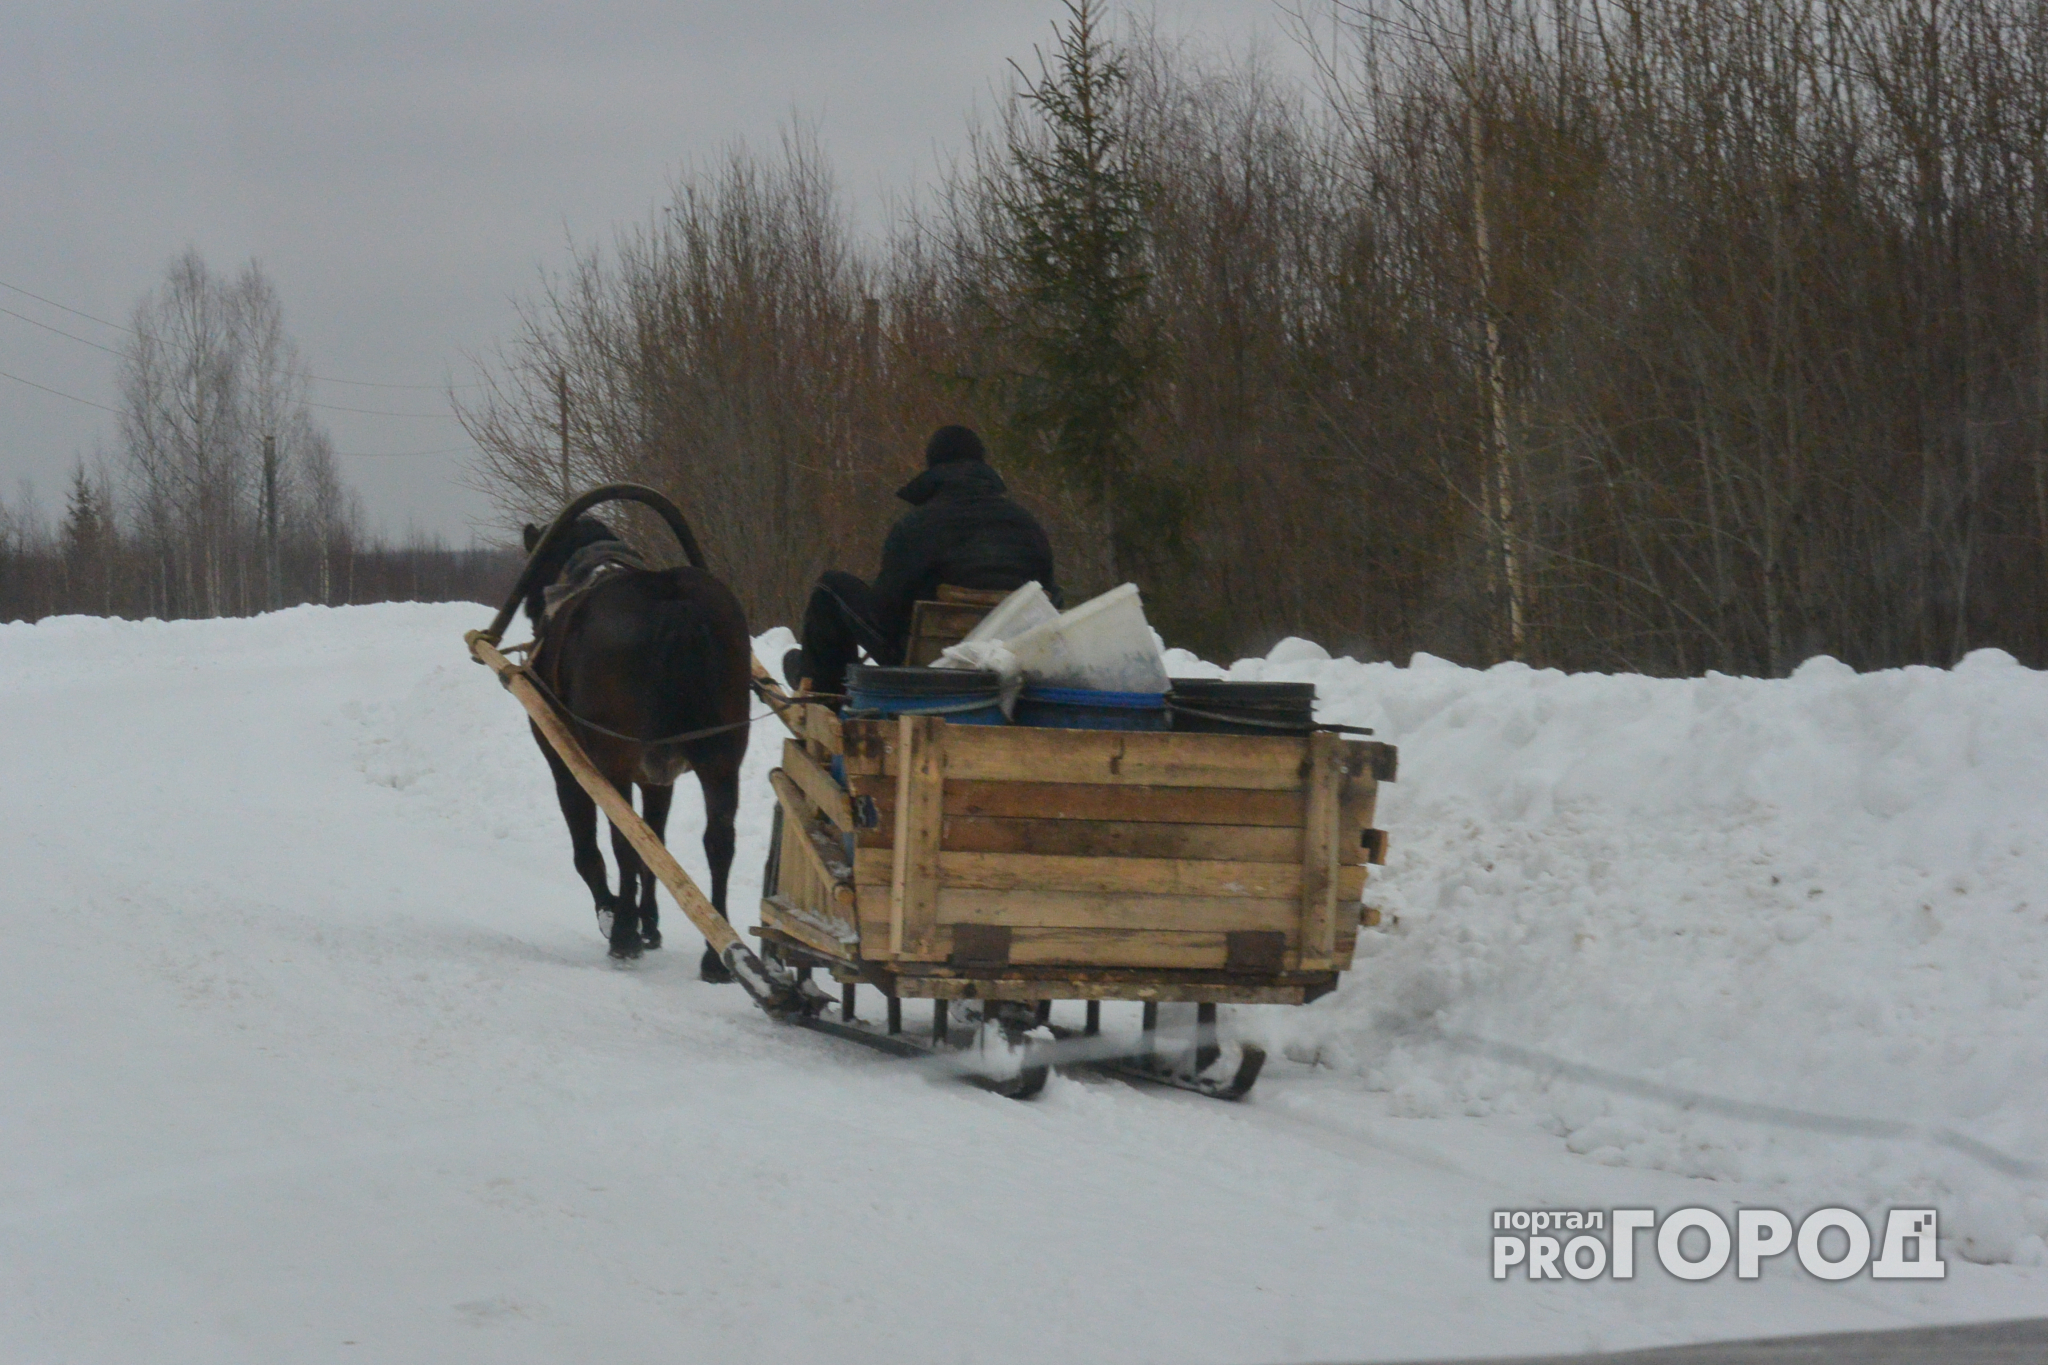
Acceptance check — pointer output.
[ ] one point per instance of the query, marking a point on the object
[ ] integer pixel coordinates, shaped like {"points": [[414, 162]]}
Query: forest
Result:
{"points": [[1656, 335]]}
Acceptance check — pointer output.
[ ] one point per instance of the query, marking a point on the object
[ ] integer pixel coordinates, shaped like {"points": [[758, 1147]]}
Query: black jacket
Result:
{"points": [[964, 532]]}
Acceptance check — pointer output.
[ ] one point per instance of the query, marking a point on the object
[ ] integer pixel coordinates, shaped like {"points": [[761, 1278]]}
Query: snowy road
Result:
{"points": [[2023, 1342], [309, 1050]]}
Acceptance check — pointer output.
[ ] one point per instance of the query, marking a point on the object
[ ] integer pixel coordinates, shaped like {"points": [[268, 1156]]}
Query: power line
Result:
{"points": [[381, 412], [349, 454], [330, 407], [59, 392], [59, 331], [400, 454], [321, 378], [62, 309]]}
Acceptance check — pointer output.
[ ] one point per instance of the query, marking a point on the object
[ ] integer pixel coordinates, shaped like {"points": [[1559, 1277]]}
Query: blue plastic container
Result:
{"points": [[1079, 708], [963, 696]]}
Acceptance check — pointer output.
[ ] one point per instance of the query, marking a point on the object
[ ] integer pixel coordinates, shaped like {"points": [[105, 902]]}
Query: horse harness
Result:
{"points": [[587, 570]]}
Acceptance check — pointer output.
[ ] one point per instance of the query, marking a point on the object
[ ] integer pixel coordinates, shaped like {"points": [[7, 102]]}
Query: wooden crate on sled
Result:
{"points": [[1009, 863]]}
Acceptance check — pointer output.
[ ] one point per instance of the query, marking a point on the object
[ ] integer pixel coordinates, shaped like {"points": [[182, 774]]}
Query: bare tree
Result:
{"points": [[208, 374]]}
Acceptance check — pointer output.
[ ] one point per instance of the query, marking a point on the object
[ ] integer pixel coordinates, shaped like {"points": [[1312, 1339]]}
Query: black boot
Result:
{"points": [[794, 669]]}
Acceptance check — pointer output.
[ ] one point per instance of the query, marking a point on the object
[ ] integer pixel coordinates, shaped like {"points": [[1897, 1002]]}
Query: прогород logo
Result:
{"points": [[1586, 1244]]}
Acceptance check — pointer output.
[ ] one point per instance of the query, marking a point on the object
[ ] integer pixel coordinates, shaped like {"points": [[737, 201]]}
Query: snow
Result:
{"points": [[309, 1048]]}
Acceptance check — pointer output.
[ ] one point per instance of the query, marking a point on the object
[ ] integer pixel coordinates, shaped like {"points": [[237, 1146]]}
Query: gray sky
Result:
{"points": [[404, 172]]}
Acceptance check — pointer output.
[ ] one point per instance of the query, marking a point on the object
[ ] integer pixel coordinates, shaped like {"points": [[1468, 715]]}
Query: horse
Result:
{"points": [[651, 668]]}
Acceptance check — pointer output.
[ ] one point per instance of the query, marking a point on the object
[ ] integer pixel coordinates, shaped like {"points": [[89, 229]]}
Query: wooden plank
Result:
{"points": [[774, 694], [1122, 839], [1318, 886], [821, 726], [1128, 758], [988, 599], [874, 871], [1098, 801], [1118, 876], [1054, 988], [935, 625], [1385, 760], [947, 619], [1117, 948], [871, 913], [829, 797], [822, 936], [1117, 757], [953, 616], [1037, 909], [923, 742], [1356, 804], [808, 878], [794, 879]]}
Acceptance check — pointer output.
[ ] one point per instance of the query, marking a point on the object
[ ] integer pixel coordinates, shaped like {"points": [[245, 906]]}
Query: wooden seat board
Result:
{"points": [[1002, 753]]}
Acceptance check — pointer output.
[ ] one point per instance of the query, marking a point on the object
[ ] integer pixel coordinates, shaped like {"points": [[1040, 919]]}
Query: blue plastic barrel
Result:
{"points": [[964, 696], [1080, 708]]}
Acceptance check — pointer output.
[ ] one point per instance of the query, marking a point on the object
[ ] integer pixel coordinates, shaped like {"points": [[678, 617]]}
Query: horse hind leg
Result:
{"points": [[654, 804], [626, 940], [721, 784], [579, 812]]}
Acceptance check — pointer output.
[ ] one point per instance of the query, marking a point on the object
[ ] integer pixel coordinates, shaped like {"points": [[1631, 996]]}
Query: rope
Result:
{"points": [[526, 671], [957, 708], [1294, 726], [824, 699]]}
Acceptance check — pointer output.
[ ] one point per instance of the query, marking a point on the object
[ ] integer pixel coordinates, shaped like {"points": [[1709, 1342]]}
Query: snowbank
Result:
{"points": [[1828, 892], [309, 1048]]}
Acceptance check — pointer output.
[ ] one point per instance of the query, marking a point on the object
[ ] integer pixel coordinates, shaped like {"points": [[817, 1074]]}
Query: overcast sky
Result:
{"points": [[405, 172]]}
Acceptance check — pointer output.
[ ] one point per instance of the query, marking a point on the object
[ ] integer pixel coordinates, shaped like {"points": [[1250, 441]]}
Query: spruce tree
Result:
{"points": [[1074, 207], [84, 541], [84, 520]]}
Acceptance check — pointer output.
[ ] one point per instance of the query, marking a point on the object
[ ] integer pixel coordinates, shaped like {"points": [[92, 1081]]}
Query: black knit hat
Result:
{"points": [[953, 443]]}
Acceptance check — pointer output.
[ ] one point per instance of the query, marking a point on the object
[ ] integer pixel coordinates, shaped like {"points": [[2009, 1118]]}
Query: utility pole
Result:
{"points": [[562, 401], [270, 519]]}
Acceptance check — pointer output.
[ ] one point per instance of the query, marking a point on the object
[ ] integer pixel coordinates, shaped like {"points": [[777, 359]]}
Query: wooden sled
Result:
{"points": [[1013, 867]]}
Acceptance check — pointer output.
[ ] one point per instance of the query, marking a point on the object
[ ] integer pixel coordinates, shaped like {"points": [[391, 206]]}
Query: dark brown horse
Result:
{"points": [[651, 668]]}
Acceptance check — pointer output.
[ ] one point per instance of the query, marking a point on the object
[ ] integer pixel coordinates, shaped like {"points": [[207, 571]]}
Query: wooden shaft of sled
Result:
{"points": [[777, 699], [718, 933]]}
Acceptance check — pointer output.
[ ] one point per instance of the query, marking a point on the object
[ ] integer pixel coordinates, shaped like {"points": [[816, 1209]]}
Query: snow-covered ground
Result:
{"points": [[309, 1049]]}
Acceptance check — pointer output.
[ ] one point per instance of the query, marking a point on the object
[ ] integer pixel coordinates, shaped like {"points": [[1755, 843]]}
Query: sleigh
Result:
{"points": [[1013, 867]]}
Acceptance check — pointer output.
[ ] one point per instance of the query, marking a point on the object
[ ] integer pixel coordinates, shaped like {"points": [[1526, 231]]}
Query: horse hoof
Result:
{"points": [[625, 952], [650, 938], [712, 970], [604, 922]]}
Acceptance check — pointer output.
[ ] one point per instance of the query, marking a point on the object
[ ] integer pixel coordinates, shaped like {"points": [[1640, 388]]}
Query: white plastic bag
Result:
{"points": [[1104, 644], [1015, 614]]}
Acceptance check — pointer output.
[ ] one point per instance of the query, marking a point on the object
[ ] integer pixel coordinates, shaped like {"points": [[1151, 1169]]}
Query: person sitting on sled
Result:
{"points": [[964, 531]]}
